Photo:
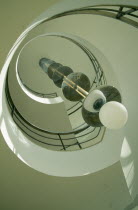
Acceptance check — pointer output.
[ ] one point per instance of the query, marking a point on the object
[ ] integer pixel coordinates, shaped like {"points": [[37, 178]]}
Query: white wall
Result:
{"points": [[22, 182]]}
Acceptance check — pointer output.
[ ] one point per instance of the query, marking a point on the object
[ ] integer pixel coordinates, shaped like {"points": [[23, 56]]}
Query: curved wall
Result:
{"points": [[114, 52]]}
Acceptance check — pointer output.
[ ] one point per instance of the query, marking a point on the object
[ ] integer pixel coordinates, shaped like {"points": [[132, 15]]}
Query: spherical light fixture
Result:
{"points": [[113, 115], [91, 106], [75, 79], [101, 107]]}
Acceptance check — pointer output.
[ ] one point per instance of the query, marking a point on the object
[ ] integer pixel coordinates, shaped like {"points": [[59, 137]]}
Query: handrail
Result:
{"points": [[15, 113], [120, 14], [27, 125]]}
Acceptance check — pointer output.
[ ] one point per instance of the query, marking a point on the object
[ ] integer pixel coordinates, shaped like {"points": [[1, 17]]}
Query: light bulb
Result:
{"points": [[113, 115]]}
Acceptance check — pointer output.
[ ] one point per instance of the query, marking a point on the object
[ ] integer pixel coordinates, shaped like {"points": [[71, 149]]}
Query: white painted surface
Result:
{"points": [[23, 182], [60, 163], [104, 153]]}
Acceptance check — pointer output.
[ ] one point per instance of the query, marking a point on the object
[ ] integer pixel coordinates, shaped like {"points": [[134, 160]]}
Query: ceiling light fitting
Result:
{"points": [[101, 107]]}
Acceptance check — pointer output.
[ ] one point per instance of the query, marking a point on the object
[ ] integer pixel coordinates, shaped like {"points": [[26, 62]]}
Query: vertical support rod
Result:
{"points": [[62, 142]]}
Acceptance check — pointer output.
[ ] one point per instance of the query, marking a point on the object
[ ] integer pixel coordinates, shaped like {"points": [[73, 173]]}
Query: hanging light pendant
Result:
{"points": [[101, 107]]}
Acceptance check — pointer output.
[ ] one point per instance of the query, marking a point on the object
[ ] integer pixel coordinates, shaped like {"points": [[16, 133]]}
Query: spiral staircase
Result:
{"points": [[40, 126]]}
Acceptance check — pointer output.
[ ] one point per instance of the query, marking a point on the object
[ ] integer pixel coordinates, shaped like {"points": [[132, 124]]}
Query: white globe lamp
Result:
{"points": [[113, 115]]}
